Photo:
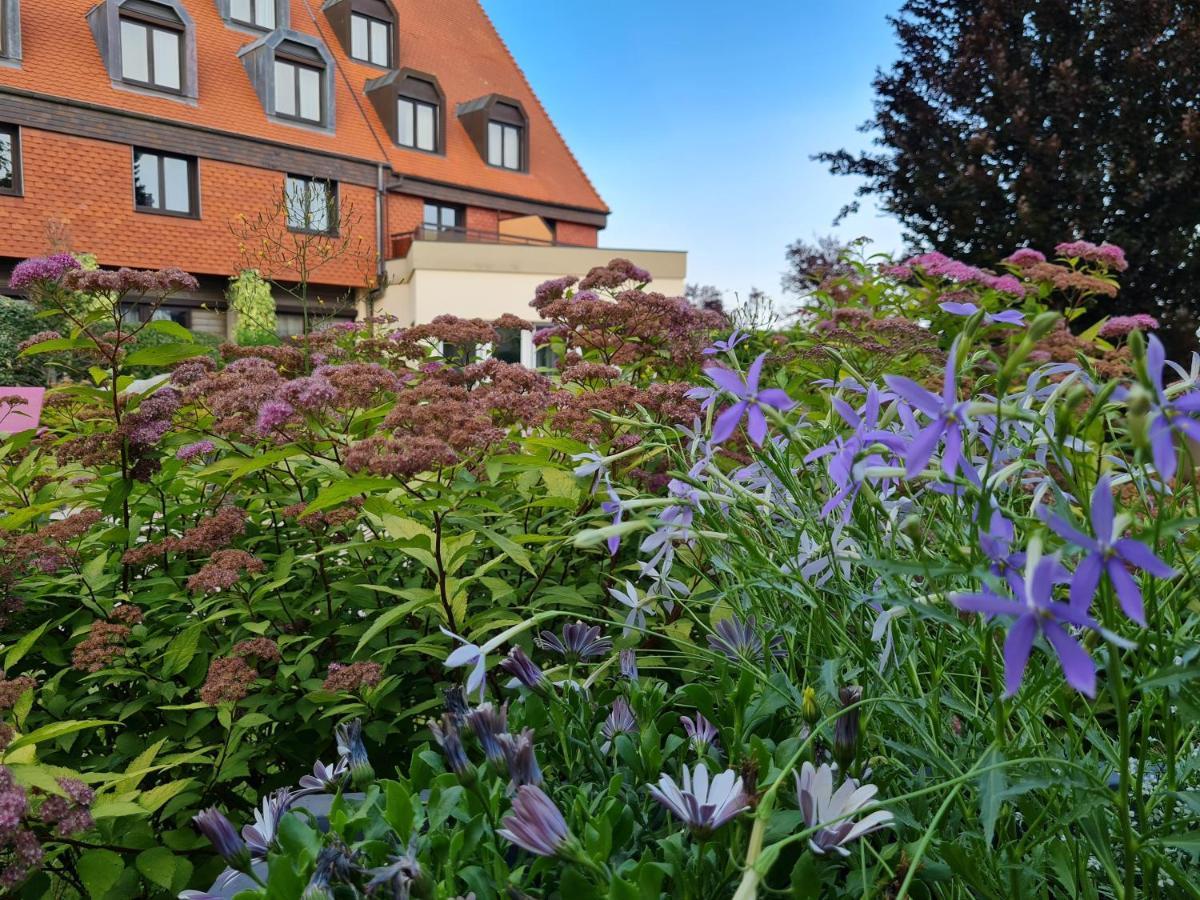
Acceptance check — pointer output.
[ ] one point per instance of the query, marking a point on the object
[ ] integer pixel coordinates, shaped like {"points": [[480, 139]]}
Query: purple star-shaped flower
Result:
{"points": [[1035, 612], [750, 402], [1173, 416], [468, 655], [613, 507], [948, 415], [1004, 317], [1108, 553], [727, 344]]}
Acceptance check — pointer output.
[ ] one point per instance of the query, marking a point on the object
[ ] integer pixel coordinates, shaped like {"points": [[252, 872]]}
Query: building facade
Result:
{"points": [[388, 153]]}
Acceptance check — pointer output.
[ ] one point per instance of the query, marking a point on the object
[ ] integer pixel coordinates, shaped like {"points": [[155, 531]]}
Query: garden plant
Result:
{"points": [[898, 600]]}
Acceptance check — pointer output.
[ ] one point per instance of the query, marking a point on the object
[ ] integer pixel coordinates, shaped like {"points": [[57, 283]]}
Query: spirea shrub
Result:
{"points": [[895, 601]]}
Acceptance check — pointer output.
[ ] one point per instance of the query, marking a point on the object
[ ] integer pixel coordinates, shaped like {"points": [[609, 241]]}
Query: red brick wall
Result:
{"points": [[576, 235], [486, 220], [78, 195], [404, 213]]}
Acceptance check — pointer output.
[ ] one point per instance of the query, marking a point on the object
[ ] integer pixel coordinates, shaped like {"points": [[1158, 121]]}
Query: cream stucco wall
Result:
{"points": [[489, 280]]}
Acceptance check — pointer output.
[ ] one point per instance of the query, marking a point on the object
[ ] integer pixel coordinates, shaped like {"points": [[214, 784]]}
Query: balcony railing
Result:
{"points": [[402, 243]]}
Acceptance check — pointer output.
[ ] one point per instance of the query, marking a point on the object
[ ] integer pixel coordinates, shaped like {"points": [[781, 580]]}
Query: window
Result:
{"points": [[151, 47], [260, 13], [370, 40], [443, 218], [508, 347], [459, 355], [289, 324], [165, 184], [417, 124], [10, 159], [504, 145], [136, 313], [311, 205], [298, 90]]}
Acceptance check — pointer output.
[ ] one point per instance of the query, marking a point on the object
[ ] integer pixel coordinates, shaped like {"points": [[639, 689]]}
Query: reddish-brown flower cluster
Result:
{"points": [[1070, 280], [104, 643], [322, 520], [210, 534], [11, 689], [260, 648], [229, 680], [127, 614], [223, 570], [1060, 345], [851, 328], [47, 550], [353, 676], [130, 281], [666, 402]]}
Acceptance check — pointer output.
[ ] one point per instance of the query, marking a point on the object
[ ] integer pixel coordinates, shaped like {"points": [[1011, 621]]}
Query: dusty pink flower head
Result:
{"points": [[1026, 256], [1108, 255], [1121, 326]]}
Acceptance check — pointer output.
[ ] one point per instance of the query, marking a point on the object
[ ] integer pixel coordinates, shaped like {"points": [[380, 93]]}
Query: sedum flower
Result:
{"points": [[535, 823], [1108, 554], [751, 401], [820, 805], [224, 838], [701, 804]]}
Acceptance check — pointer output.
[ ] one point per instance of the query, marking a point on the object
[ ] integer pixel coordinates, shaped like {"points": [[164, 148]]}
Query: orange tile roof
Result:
{"points": [[451, 39]]}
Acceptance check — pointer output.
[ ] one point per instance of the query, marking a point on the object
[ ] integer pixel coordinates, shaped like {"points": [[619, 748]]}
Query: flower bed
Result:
{"points": [[893, 601]]}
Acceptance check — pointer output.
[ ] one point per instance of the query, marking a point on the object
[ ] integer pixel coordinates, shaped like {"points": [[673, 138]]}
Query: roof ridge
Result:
{"points": [[538, 100]]}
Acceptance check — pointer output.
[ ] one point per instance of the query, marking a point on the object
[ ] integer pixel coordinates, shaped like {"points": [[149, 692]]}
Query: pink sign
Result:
{"points": [[17, 417]]}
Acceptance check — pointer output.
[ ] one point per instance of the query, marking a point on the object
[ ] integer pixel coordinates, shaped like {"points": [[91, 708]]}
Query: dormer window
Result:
{"points": [[410, 105], [504, 145], [147, 44], [10, 30], [292, 74], [257, 13], [298, 88], [152, 47], [499, 128], [370, 40], [365, 28]]}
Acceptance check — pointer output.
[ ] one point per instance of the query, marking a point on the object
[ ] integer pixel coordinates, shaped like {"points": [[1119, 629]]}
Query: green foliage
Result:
{"points": [[18, 321], [251, 300]]}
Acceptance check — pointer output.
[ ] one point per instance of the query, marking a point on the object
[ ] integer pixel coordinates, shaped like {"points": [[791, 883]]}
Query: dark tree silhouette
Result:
{"points": [[705, 296], [1013, 122], [810, 265]]}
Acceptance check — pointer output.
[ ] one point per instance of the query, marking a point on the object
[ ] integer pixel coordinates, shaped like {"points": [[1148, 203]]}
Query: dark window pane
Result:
{"points": [[8, 161], [459, 354], [169, 314], [145, 180], [176, 185], [508, 348], [545, 358]]}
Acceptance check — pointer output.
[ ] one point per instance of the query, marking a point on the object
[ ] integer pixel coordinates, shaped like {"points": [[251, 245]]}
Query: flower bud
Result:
{"points": [[351, 747], [809, 708], [845, 729]]}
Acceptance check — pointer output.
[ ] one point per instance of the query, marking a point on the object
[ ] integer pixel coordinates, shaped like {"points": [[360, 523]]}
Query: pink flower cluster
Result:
{"points": [[1108, 255], [1025, 257], [42, 268], [1122, 326], [938, 265]]}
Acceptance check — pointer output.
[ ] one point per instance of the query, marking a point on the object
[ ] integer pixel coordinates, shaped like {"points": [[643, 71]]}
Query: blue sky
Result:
{"points": [[696, 119]]}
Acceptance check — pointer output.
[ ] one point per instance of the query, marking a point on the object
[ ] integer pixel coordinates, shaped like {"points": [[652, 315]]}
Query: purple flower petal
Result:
{"points": [[1138, 554], [1102, 509], [914, 394], [922, 447], [1086, 580], [1077, 666], [754, 374], [776, 399], [987, 603], [726, 380], [1068, 532], [959, 309], [1016, 652], [1162, 448], [756, 424], [1156, 358], [1008, 317], [727, 422], [1127, 590]]}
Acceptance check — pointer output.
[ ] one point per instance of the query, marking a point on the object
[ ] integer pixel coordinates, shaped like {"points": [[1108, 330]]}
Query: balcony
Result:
{"points": [[401, 244]]}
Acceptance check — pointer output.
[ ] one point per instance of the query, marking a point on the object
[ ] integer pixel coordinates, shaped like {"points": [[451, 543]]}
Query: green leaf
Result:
{"points": [[21, 647], [158, 865], [513, 550], [1189, 841], [154, 798], [55, 730], [181, 650], [52, 346], [116, 809], [164, 355], [343, 490], [991, 793], [560, 483], [395, 614], [99, 871], [171, 329]]}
